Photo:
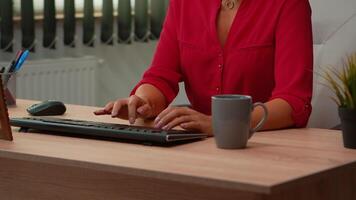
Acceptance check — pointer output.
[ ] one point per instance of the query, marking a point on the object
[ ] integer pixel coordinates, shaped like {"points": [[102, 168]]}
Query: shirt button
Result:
{"points": [[220, 54], [306, 106], [220, 66], [217, 89]]}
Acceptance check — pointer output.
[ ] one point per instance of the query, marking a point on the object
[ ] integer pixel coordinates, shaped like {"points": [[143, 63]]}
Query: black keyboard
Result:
{"points": [[105, 130]]}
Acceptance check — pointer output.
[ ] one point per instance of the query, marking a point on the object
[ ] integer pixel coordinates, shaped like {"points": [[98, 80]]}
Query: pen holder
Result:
{"points": [[9, 84]]}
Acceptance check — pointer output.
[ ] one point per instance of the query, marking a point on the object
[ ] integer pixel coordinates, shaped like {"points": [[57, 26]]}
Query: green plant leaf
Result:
{"points": [[336, 101], [343, 82], [352, 81], [336, 88]]}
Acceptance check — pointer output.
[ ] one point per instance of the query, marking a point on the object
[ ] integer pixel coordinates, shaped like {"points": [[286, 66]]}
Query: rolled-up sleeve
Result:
{"points": [[164, 72], [294, 59]]}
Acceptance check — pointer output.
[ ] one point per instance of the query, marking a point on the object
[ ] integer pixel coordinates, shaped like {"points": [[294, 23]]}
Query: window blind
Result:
{"points": [[27, 25], [124, 21], [141, 20], [157, 16], [88, 23], [69, 23], [6, 26], [107, 21], [135, 20], [49, 24]]}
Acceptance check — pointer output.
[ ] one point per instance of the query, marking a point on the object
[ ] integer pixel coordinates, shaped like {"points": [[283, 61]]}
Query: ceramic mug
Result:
{"points": [[231, 120]]}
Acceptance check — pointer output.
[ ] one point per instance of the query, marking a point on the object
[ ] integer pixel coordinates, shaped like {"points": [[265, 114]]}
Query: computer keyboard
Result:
{"points": [[105, 130]]}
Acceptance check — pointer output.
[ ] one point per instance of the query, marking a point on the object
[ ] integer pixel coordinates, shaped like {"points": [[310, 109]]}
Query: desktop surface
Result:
{"points": [[273, 161]]}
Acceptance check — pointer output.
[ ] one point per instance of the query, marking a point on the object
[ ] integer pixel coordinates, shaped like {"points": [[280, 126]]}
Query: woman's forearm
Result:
{"points": [[153, 96], [279, 115]]}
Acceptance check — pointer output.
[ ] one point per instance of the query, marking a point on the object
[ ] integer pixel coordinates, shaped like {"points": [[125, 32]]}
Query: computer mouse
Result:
{"points": [[47, 108]]}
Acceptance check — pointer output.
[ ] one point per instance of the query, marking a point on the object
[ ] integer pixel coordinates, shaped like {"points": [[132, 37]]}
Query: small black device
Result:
{"points": [[99, 130], [47, 108]]}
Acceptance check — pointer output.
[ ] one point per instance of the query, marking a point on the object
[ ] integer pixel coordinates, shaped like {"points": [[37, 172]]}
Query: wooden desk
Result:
{"points": [[287, 164]]}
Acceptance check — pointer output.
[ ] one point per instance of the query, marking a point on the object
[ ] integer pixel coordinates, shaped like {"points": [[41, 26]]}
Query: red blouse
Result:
{"points": [[268, 54]]}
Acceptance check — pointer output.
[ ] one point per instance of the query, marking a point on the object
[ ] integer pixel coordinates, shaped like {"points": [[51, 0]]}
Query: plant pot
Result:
{"points": [[348, 126]]}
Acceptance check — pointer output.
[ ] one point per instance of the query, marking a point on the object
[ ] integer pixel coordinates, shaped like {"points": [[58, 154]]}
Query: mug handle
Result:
{"points": [[263, 120]]}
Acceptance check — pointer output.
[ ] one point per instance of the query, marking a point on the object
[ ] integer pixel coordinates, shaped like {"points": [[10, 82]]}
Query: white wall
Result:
{"points": [[122, 68]]}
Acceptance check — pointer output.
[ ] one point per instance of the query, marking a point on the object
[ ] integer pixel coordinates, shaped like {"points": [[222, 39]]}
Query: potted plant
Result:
{"points": [[343, 84]]}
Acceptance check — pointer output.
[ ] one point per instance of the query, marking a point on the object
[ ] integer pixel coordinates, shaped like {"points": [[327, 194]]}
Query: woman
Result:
{"points": [[253, 47]]}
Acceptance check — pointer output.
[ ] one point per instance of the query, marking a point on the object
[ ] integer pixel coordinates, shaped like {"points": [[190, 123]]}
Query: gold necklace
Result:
{"points": [[230, 4]]}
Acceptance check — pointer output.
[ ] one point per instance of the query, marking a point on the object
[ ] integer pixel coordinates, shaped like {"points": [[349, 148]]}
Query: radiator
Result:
{"points": [[71, 80]]}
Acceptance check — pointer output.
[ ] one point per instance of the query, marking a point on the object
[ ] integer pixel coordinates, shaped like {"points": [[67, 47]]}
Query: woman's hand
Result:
{"points": [[127, 108], [184, 117]]}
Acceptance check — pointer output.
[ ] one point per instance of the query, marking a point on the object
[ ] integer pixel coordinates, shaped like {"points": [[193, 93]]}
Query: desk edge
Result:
{"points": [[138, 172]]}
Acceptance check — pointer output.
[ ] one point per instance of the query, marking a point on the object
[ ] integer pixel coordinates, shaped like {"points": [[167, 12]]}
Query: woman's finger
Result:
{"points": [[106, 110], [108, 107], [132, 104], [171, 115], [117, 107], [162, 114], [100, 112], [145, 111], [177, 121], [192, 125]]}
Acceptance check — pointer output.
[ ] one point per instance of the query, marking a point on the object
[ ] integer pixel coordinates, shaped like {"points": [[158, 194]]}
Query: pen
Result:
{"points": [[21, 60], [16, 64], [18, 54], [7, 74], [12, 63]]}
